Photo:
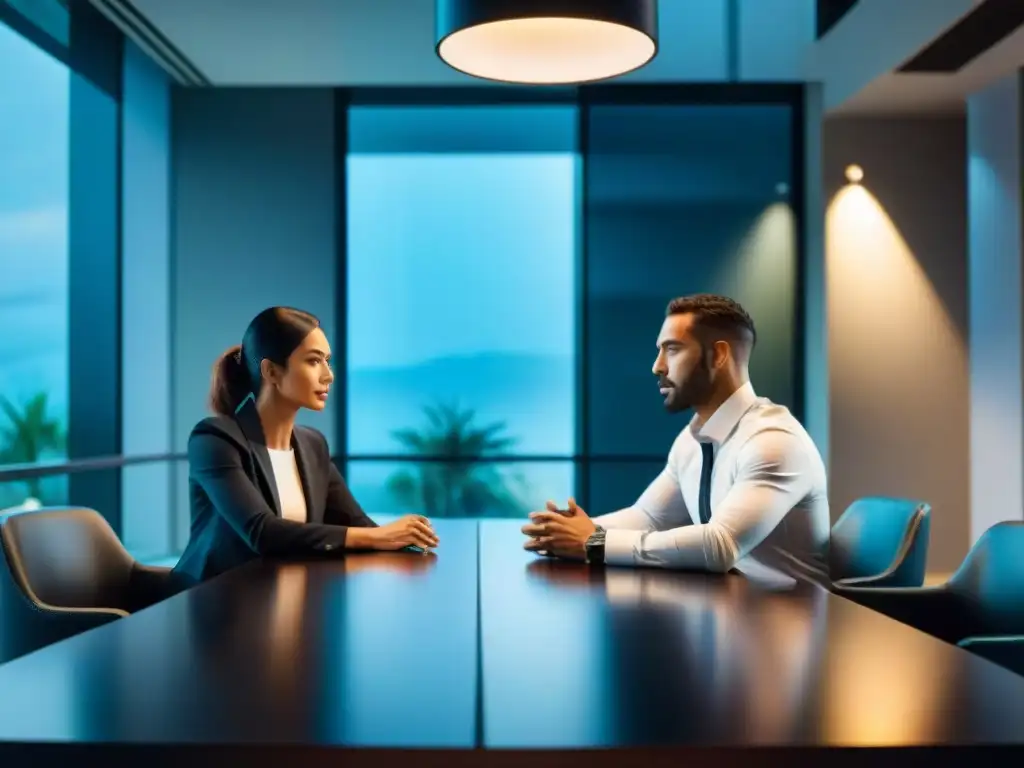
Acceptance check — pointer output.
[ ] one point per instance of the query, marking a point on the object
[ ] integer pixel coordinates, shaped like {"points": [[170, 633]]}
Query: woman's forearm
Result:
{"points": [[360, 538]]}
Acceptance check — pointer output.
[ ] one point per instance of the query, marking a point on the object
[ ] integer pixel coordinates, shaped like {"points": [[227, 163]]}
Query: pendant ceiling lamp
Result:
{"points": [[546, 42]]}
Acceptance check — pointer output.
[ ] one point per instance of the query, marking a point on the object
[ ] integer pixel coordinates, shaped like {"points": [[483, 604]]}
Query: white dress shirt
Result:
{"points": [[289, 485], [769, 500]]}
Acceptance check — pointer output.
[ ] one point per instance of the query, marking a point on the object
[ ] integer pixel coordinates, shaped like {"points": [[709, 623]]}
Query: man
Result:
{"points": [[744, 485]]}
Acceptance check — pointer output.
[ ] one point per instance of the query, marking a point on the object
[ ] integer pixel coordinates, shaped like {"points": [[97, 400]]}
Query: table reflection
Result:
{"points": [[765, 659], [741, 648], [401, 648], [402, 563], [887, 682]]}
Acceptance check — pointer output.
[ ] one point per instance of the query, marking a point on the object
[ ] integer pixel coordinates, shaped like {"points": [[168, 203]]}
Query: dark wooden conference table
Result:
{"points": [[484, 654]]}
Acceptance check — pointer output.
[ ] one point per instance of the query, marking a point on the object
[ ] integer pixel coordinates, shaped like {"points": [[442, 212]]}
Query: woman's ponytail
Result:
{"points": [[272, 335], [229, 384]]}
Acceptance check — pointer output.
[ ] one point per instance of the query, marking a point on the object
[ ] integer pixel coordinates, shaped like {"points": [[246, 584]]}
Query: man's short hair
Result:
{"points": [[719, 315]]}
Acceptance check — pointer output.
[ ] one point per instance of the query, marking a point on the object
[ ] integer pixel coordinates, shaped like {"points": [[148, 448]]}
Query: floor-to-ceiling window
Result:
{"points": [[34, 176], [460, 349], [507, 271], [60, 71]]}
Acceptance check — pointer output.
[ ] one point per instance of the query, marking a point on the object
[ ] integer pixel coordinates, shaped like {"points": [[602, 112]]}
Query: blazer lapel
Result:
{"points": [[249, 420], [303, 453]]}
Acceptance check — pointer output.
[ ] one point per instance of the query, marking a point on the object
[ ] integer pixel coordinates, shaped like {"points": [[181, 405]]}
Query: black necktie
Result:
{"points": [[708, 452]]}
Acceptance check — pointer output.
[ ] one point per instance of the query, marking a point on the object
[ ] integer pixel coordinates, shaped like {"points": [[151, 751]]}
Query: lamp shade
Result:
{"points": [[546, 42]]}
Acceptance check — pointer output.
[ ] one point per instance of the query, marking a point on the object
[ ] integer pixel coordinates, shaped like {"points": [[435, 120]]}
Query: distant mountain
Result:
{"points": [[533, 394]]}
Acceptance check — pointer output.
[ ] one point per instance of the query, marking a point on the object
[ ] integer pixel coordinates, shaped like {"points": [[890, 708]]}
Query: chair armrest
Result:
{"points": [[910, 544], [1004, 650], [77, 619], [883, 579], [37, 625], [935, 610], [85, 618]]}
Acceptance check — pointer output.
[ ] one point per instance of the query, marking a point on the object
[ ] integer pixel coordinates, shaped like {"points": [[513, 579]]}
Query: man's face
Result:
{"points": [[683, 365]]}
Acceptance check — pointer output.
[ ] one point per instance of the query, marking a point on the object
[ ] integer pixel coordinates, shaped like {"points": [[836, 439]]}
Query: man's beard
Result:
{"points": [[695, 391]]}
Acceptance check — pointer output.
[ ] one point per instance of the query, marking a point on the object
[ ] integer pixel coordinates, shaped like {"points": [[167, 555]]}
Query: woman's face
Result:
{"points": [[307, 379]]}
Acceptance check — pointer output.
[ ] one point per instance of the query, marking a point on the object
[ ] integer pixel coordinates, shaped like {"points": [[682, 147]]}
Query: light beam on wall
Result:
{"points": [[869, 259], [546, 42], [763, 280], [891, 336], [766, 253]]}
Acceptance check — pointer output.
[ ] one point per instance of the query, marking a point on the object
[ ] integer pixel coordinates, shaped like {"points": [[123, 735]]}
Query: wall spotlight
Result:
{"points": [[854, 174]]}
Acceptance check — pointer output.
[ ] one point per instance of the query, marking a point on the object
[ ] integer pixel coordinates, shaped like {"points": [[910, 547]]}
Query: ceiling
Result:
{"points": [[308, 42], [391, 42], [898, 92], [388, 42]]}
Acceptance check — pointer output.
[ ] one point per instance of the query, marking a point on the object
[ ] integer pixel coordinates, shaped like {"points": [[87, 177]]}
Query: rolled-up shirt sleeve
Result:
{"points": [[771, 478]]}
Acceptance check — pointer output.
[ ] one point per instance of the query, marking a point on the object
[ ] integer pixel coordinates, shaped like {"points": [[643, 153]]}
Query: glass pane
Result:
{"points": [[442, 489], [461, 256], [57, 491], [146, 510], [680, 200], [34, 91], [146, 489], [616, 485], [34, 493]]}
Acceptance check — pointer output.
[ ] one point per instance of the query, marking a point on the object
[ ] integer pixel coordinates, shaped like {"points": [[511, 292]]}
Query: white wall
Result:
{"points": [[253, 227], [874, 38], [994, 133], [896, 255], [145, 294]]}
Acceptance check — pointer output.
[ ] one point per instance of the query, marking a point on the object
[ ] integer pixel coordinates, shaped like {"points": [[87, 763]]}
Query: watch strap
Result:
{"points": [[595, 547]]}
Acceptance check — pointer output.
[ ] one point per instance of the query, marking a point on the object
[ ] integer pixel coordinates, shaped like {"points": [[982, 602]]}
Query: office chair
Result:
{"points": [[983, 599], [65, 571], [881, 542]]}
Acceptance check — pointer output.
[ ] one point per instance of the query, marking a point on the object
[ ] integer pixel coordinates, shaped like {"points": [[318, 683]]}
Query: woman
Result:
{"points": [[258, 484]]}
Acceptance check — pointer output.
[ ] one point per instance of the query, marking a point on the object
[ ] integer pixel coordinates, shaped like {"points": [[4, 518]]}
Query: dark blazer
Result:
{"points": [[236, 512]]}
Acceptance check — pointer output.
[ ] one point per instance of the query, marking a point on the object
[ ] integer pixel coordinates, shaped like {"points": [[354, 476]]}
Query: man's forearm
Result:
{"points": [[630, 518], [692, 547]]}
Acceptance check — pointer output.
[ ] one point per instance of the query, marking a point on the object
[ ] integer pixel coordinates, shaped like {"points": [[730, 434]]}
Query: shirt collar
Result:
{"points": [[722, 422]]}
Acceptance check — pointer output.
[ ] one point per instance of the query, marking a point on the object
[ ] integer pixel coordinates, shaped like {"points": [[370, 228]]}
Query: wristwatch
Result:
{"points": [[595, 547]]}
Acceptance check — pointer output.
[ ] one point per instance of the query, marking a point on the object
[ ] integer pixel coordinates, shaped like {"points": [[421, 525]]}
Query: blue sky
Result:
{"points": [[34, 107], [456, 254], [460, 285]]}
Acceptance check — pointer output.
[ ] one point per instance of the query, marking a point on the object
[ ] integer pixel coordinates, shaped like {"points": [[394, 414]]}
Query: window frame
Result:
{"points": [[584, 98]]}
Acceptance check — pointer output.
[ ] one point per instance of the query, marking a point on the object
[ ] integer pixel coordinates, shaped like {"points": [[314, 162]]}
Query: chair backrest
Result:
{"points": [[66, 557], [991, 578], [879, 536]]}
